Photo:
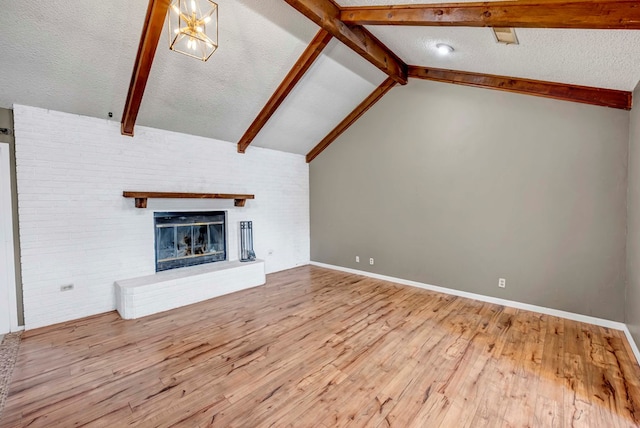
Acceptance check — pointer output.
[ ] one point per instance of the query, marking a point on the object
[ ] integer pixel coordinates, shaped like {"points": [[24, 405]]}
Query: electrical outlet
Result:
{"points": [[67, 287], [371, 261], [502, 283], [357, 259]]}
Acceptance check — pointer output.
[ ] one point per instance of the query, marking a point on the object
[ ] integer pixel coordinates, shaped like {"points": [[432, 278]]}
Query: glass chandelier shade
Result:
{"points": [[193, 28]]}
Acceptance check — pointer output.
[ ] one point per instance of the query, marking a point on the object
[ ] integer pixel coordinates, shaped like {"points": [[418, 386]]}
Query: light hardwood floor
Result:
{"points": [[318, 348]]}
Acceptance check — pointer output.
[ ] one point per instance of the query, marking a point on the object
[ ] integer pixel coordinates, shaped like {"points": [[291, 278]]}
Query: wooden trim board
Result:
{"points": [[362, 108], [151, 30], [601, 14], [141, 197], [326, 14], [558, 91], [308, 57]]}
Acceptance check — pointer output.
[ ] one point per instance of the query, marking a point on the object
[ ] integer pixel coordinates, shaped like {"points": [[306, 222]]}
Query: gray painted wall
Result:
{"points": [[632, 308], [457, 186], [6, 121]]}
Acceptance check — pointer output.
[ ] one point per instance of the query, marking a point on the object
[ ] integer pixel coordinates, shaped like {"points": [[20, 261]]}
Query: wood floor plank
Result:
{"points": [[549, 410], [321, 348]]}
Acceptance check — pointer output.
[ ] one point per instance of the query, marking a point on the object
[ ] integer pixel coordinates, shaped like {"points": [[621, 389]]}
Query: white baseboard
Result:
{"points": [[510, 303]]}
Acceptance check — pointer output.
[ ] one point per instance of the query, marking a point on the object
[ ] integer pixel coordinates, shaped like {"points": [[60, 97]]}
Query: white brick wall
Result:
{"points": [[76, 228]]}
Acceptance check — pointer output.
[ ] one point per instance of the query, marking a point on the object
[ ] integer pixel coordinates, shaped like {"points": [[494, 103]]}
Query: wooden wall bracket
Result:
{"points": [[141, 197]]}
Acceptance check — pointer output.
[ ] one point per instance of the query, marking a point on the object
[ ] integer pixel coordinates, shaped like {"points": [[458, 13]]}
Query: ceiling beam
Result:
{"points": [[153, 24], [353, 116], [326, 14], [298, 70], [559, 91], [588, 14]]}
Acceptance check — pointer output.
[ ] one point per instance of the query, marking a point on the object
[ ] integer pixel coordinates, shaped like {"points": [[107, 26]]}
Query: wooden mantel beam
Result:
{"points": [[141, 197], [587, 14], [559, 91], [352, 117], [326, 14], [310, 54], [151, 30]]}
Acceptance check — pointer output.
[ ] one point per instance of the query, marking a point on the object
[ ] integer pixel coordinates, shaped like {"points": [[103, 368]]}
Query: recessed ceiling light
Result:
{"points": [[444, 49]]}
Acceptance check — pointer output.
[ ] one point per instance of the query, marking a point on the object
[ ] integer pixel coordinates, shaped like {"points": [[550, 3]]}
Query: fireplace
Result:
{"points": [[189, 238]]}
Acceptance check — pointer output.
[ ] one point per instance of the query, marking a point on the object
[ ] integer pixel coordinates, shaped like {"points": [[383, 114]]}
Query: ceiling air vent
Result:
{"points": [[505, 35]]}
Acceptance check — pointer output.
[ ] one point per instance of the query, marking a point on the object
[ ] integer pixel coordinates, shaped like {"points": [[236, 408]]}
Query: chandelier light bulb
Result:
{"points": [[193, 27]]}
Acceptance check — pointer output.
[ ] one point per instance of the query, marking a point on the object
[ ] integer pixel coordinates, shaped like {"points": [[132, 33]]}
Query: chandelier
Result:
{"points": [[193, 28]]}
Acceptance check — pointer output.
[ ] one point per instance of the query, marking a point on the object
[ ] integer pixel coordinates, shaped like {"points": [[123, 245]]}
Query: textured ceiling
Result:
{"points": [[73, 56], [601, 58], [259, 42], [327, 93], [77, 55], [580, 57]]}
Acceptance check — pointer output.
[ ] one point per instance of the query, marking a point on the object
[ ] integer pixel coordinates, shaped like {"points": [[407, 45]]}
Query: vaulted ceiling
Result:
{"points": [[77, 56]]}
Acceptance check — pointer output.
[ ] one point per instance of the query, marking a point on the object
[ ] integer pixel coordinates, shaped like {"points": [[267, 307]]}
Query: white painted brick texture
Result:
{"points": [[147, 295], [76, 228]]}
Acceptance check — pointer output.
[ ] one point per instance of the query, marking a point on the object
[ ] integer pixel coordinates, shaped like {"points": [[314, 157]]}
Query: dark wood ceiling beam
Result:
{"points": [[153, 24], [326, 14], [292, 78], [353, 116], [603, 14], [559, 91]]}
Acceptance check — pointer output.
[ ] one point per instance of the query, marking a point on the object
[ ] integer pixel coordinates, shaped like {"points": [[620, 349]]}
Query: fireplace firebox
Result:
{"points": [[189, 238]]}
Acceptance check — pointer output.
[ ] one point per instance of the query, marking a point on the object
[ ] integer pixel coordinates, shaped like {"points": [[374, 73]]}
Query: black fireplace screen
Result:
{"points": [[189, 238]]}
